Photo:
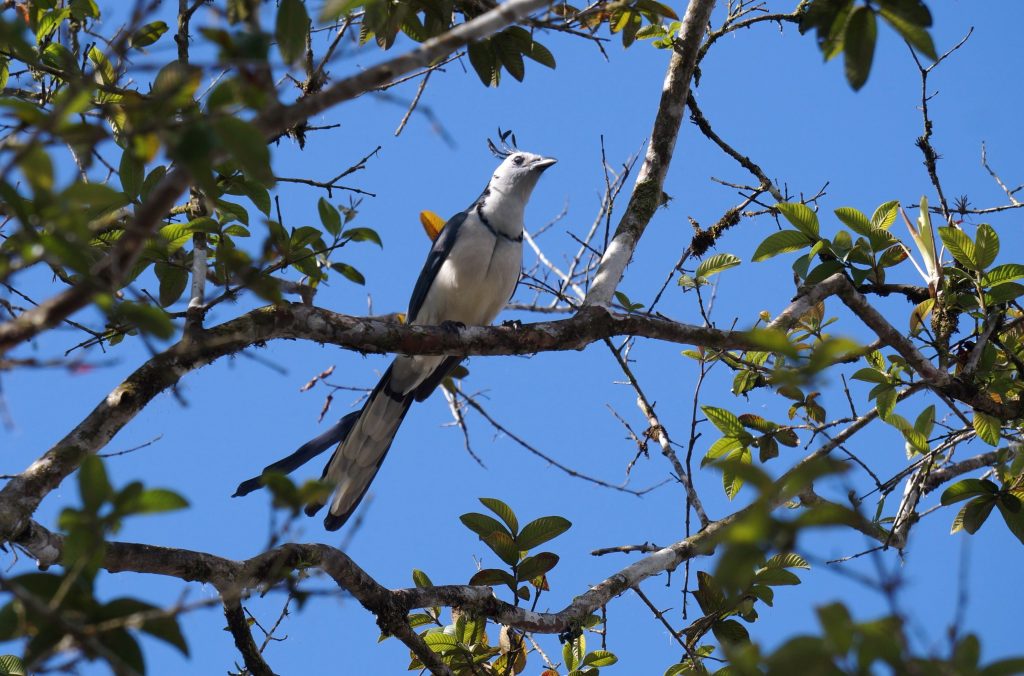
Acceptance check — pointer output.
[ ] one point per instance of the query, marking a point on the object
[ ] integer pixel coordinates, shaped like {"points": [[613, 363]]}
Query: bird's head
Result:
{"points": [[518, 173]]}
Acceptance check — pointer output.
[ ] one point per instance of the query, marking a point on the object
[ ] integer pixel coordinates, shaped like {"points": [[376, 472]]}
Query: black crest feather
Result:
{"points": [[505, 148]]}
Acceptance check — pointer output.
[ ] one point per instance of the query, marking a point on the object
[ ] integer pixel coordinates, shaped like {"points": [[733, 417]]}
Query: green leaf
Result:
{"points": [[491, 576], [986, 246], [771, 340], [541, 530], [1002, 274], [967, 488], [349, 272], [303, 236], [775, 577], [148, 34], [717, 263], [82, 9], [152, 179], [599, 658], [509, 54], [176, 235], [960, 245], [781, 242], [914, 11], [504, 512], [1008, 667], [257, 193], [421, 579], [291, 30], [11, 665], [164, 628], [420, 619], [155, 500], [247, 146], [885, 215], [502, 545], [651, 31], [925, 420], [132, 174], [329, 216], [859, 45], [203, 224], [537, 565], [147, 318], [788, 560], [173, 280], [976, 511], [1014, 519], [176, 83], [626, 303], [58, 56], [730, 631], [801, 217], [870, 375], [440, 642], [481, 524], [362, 235], [885, 401], [49, 22], [122, 644], [724, 420], [838, 625], [987, 427], [540, 54], [916, 35], [37, 167], [1004, 293], [733, 474], [573, 651], [93, 485], [855, 220], [484, 62], [724, 446]]}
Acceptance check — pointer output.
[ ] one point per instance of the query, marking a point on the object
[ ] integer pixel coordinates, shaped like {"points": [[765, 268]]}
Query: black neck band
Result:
{"points": [[487, 224]]}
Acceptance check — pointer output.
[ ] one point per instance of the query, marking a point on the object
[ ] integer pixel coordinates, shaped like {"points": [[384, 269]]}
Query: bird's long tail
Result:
{"points": [[359, 455], [363, 437], [304, 454]]}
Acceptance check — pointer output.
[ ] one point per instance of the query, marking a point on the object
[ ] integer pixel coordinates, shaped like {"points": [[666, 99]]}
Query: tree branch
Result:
{"points": [[647, 192], [238, 625]]}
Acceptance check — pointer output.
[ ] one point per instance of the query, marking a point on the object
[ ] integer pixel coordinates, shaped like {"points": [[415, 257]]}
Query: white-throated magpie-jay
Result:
{"points": [[469, 276]]}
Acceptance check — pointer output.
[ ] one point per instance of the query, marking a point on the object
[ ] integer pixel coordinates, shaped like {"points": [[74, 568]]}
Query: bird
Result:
{"points": [[469, 276]]}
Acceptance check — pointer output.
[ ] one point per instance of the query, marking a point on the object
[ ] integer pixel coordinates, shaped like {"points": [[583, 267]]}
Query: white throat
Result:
{"points": [[504, 210]]}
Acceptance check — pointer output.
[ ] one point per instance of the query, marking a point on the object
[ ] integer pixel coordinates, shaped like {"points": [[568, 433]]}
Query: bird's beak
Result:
{"points": [[544, 163]]}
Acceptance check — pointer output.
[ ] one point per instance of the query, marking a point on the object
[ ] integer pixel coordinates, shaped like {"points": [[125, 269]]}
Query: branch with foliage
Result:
{"points": [[168, 212]]}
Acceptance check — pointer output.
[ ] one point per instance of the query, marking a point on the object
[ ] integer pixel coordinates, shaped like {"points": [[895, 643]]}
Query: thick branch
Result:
{"points": [[22, 495], [937, 477], [647, 192], [939, 380], [238, 625]]}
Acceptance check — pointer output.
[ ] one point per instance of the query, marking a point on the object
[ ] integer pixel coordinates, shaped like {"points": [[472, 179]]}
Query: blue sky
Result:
{"points": [[767, 93]]}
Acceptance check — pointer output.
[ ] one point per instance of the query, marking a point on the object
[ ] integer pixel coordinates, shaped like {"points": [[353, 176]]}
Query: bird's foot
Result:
{"points": [[452, 327], [514, 324]]}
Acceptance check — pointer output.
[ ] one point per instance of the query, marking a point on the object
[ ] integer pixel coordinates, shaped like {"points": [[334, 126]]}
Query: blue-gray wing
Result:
{"points": [[435, 259]]}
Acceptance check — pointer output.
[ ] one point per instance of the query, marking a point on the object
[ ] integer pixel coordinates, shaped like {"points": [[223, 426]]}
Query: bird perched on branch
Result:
{"points": [[470, 274]]}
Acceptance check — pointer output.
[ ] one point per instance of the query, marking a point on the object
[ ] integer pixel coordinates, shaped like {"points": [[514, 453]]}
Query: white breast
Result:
{"points": [[476, 280]]}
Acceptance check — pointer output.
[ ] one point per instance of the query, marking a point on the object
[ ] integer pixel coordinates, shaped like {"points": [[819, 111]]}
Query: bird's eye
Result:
{"points": [[517, 160]]}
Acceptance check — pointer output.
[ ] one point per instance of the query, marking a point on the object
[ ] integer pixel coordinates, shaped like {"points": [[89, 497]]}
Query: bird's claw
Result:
{"points": [[514, 324], [452, 327]]}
